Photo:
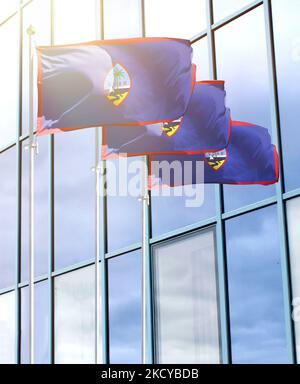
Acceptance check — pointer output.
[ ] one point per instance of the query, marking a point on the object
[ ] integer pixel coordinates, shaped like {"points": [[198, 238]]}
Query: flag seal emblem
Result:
{"points": [[170, 129], [117, 85], [216, 160]]}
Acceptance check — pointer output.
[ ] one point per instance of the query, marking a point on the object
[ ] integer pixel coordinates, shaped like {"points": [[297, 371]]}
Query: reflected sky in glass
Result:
{"points": [[293, 214], [255, 289], [41, 318], [8, 217], [175, 18], [244, 67], [74, 197], [37, 14], [7, 8], [170, 212], [74, 332], [75, 21], [7, 328], [287, 45], [124, 215], [125, 308], [9, 74], [122, 18], [41, 211], [201, 59], [224, 8], [186, 303]]}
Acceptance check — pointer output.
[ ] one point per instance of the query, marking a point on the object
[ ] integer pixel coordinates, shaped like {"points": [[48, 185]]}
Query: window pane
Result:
{"points": [[245, 69], [9, 80], [41, 325], [186, 300], [225, 8], [293, 213], [122, 18], [75, 317], [41, 205], [123, 210], [200, 58], [171, 212], [37, 14], [74, 197], [8, 7], [7, 328], [287, 42], [175, 18], [255, 289], [75, 21], [8, 217], [125, 308]]}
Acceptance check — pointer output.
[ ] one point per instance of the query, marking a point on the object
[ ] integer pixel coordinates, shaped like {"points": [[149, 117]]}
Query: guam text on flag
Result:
{"points": [[204, 127], [250, 158], [113, 82]]}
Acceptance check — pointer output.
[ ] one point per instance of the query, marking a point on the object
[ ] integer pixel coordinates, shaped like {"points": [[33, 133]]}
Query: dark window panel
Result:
{"points": [[255, 289], [125, 308]]}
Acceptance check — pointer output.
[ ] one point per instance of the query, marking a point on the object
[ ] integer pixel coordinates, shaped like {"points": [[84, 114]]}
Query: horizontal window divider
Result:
{"points": [[292, 194], [123, 251], [199, 36], [72, 268], [185, 230], [250, 208], [241, 12], [37, 280], [3, 291]]}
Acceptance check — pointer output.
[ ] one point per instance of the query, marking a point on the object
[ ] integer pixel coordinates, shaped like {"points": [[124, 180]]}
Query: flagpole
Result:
{"points": [[32, 150], [145, 204]]}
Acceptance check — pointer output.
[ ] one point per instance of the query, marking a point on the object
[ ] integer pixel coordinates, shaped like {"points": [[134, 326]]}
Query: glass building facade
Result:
{"points": [[224, 277]]}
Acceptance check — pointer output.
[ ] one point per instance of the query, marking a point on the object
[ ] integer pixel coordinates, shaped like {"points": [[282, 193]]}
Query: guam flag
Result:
{"points": [[204, 127], [135, 81], [250, 158]]}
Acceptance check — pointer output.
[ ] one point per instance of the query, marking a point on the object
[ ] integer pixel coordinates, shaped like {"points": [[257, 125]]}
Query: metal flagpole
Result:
{"points": [[32, 150], [145, 204]]}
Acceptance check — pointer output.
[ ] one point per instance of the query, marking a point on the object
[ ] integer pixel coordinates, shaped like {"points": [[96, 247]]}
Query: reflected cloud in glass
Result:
{"points": [[75, 317], [255, 289], [125, 308], [244, 67], [186, 300]]}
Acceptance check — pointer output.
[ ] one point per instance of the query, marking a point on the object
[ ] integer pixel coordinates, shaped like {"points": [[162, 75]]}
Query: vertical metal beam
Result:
{"points": [[281, 209], [19, 197], [147, 302], [220, 236], [31, 240], [101, 278], [51, 220]]}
